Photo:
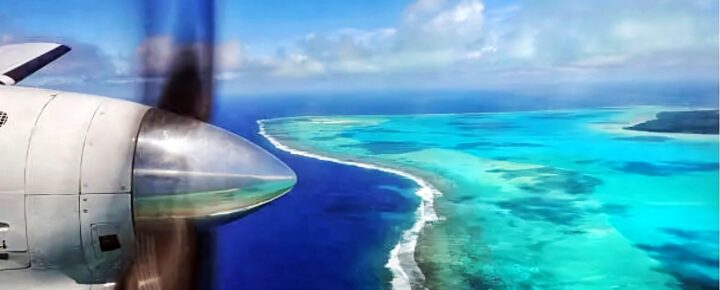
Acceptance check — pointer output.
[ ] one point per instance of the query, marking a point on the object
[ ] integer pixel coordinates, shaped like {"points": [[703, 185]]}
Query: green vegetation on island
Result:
{"points": [[693, 122]]}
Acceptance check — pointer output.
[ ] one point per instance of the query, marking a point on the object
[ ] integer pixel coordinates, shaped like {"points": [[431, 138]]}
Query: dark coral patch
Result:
{"points": [[509, 174], [683, 258], [556, 211], [645, 138], [568, 115], [570, 182], [675, 252], [545, 179], [553, 116], [614, 209], [483, 125], [292, 120], [701, 236], [588, 161], [345, 135], [546, 205], [485, 145], [332, 137], [665, 168], [682, 261], [376, 130], [323, 138], [390, 147]]}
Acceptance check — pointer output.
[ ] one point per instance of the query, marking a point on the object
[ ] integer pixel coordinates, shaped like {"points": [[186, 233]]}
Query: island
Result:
{"points": [[692, 122]]}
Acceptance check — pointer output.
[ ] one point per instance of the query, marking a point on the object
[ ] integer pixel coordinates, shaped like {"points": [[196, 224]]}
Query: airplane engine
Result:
{"points": [[78, 171]]}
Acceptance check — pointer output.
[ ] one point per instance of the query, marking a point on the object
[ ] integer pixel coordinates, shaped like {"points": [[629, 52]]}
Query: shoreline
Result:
{"points": [[401, 261]]}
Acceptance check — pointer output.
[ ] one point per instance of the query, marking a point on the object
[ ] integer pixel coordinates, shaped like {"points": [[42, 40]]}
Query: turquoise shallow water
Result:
{"points": [[543, 200]]}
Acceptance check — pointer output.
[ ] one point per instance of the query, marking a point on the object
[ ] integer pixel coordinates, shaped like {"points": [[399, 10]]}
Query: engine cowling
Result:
{"points": [[80, 169]]}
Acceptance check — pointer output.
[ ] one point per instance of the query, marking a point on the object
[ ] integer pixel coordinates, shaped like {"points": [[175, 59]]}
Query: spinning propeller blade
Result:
{"points": [[166, 248]]}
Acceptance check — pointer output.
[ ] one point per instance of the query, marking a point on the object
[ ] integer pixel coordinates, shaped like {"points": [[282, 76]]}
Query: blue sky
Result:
{"points": [[287, 46]]}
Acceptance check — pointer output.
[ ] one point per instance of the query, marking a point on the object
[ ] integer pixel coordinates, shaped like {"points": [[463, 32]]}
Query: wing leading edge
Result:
{"points": [[17, 61]]}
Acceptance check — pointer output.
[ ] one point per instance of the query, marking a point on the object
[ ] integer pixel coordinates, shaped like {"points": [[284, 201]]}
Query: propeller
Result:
{"points": [[188, 75], [166, 249], [188, 176]]}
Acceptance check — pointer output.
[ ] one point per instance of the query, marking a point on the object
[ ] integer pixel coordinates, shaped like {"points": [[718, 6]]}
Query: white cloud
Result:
{"points": [[454, 43], [602, 60], [524, 46], [467, 40], [480, 53], [438, 39], [469, 13], [420, 7], [155, 54], [297, 65], [230, 55]]}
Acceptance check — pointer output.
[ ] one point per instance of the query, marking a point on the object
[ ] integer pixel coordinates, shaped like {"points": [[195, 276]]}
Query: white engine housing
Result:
{"points": [[65, 183], [76, 172], [79, 170]]}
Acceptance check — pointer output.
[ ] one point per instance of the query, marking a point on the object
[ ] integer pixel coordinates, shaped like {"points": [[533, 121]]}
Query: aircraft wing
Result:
{"points": [[17, 61]]}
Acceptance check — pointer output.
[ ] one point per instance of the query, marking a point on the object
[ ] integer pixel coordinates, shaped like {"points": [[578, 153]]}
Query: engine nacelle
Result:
{"points": [[78, 169]]}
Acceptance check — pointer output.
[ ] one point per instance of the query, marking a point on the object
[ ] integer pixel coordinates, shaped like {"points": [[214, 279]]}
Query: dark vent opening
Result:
{"points": [[109, 243], [3, 118]]}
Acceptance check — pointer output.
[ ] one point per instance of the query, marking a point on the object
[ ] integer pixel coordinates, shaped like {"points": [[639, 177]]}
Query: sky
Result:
{"points": [[276, 46]]}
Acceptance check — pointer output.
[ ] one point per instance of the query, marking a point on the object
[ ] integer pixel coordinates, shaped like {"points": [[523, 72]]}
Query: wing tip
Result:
{"points": [[30, 57]]}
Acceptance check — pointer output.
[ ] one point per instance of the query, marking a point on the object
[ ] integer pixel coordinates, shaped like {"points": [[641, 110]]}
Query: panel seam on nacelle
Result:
{"points": [[32, 134], [82, 152], [80, 236], [27, 237], [25, 195]]}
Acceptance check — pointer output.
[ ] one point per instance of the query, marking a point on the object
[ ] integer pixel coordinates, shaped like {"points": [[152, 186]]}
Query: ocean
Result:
{"points": [[342, 225], [540, 199]]}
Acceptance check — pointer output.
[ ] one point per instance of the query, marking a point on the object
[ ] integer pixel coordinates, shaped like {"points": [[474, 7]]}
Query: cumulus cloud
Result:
{"points": [[571, 31], [469, 40], [461, 43], [463, 18], [155, 54], [421, 7], [230, 55], [430, 36], [297, 65]]}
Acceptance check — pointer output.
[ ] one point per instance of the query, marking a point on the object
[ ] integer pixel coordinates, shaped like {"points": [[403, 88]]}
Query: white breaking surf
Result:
{"points": [[401, 261]]}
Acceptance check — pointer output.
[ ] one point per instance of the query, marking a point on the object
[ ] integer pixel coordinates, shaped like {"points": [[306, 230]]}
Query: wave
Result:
{"points": [[401, 262]]}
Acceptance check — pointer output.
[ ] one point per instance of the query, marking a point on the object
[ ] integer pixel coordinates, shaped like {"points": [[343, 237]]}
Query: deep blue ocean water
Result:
{"points": [[334, 230], [329, 233]]}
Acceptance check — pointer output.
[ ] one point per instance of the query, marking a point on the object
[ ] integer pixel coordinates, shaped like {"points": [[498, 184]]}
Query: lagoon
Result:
{"points": [[539, 199]]}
